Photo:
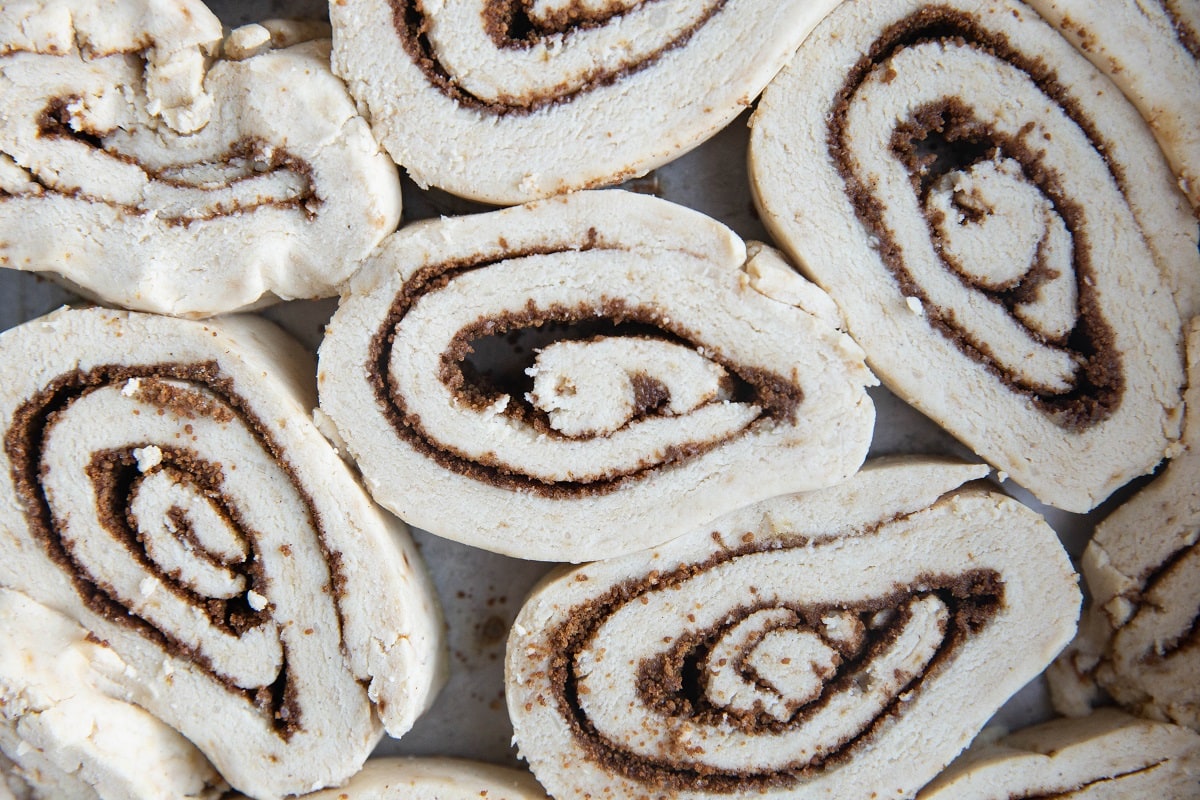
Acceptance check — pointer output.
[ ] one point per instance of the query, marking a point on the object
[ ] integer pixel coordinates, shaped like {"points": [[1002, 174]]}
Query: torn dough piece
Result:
{"points": [[510, 102], [809, 645], [272, 187], [65, 729], [161, 483], [435, 779], [645, 382], [1142, 567], [967, 157], [1105, 755]]}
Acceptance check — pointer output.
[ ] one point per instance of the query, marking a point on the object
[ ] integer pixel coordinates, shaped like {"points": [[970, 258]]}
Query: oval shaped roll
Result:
{"points": [[163, 485], [65, 729], [155, 175], [999, 228], [654, 384], [1107, 754], [1142, 567], [508, 102], [433, 778], [838, 643]]}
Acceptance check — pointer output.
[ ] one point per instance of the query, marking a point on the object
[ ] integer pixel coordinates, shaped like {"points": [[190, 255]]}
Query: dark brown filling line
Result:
{"points": [[510, 26], [54, 123], [672, 683], [114, 474], [1184, 560], [1074, 790], [778, 397], [1100, 382], [1188, 36]]}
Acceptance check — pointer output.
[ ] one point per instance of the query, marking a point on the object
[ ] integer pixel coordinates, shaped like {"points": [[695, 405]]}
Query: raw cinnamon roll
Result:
{"points": [[1105, 755], [509, 101], [435, 779], [1142, 566], [152, 173], [843, 643], [999, 228], [1152, 51], [64, 729], [162, 484], [661, 375]]}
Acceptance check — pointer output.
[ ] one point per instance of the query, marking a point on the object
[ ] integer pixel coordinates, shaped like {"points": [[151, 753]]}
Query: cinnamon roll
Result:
{"points": [[152, 172], [999, 228], [845, 642], [1152, 51], [508, 102], [1105, 755], [644, 373], [162, 484], [435, 779], [1138, 642]]}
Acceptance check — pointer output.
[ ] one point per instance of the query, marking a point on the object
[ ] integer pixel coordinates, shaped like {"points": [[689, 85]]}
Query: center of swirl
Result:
{"points": [[742, 696]]}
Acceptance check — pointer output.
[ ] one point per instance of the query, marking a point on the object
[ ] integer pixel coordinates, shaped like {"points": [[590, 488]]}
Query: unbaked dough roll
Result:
{"points": [[161, 483], [1151, 49], [844, 643], [511, 101], [999, 228], [663, 375], [65, 731], [1142, 567], [435, 779], [154, 173], [1102, 756]]}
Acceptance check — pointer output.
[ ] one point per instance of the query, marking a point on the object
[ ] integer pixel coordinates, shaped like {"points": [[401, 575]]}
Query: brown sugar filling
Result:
{"points": [[114, 474], [945, 136], [55, 122], [778, 397], [510, 26], [673, 682]]}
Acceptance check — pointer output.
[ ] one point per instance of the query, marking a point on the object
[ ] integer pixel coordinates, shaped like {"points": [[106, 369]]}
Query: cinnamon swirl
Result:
{"points": [[162, 484], [508, 101], [838, 643], [998, 226], [648, 372]]}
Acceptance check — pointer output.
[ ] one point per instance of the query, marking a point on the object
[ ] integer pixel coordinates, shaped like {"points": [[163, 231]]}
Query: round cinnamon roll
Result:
{"points": [[435, 779], [65, 732], [162, 484], [155, 173], [1152, 51], [643, 372], [508, 101], [999, 228], [839, 643], [1142, 567], [1105, 755]]}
